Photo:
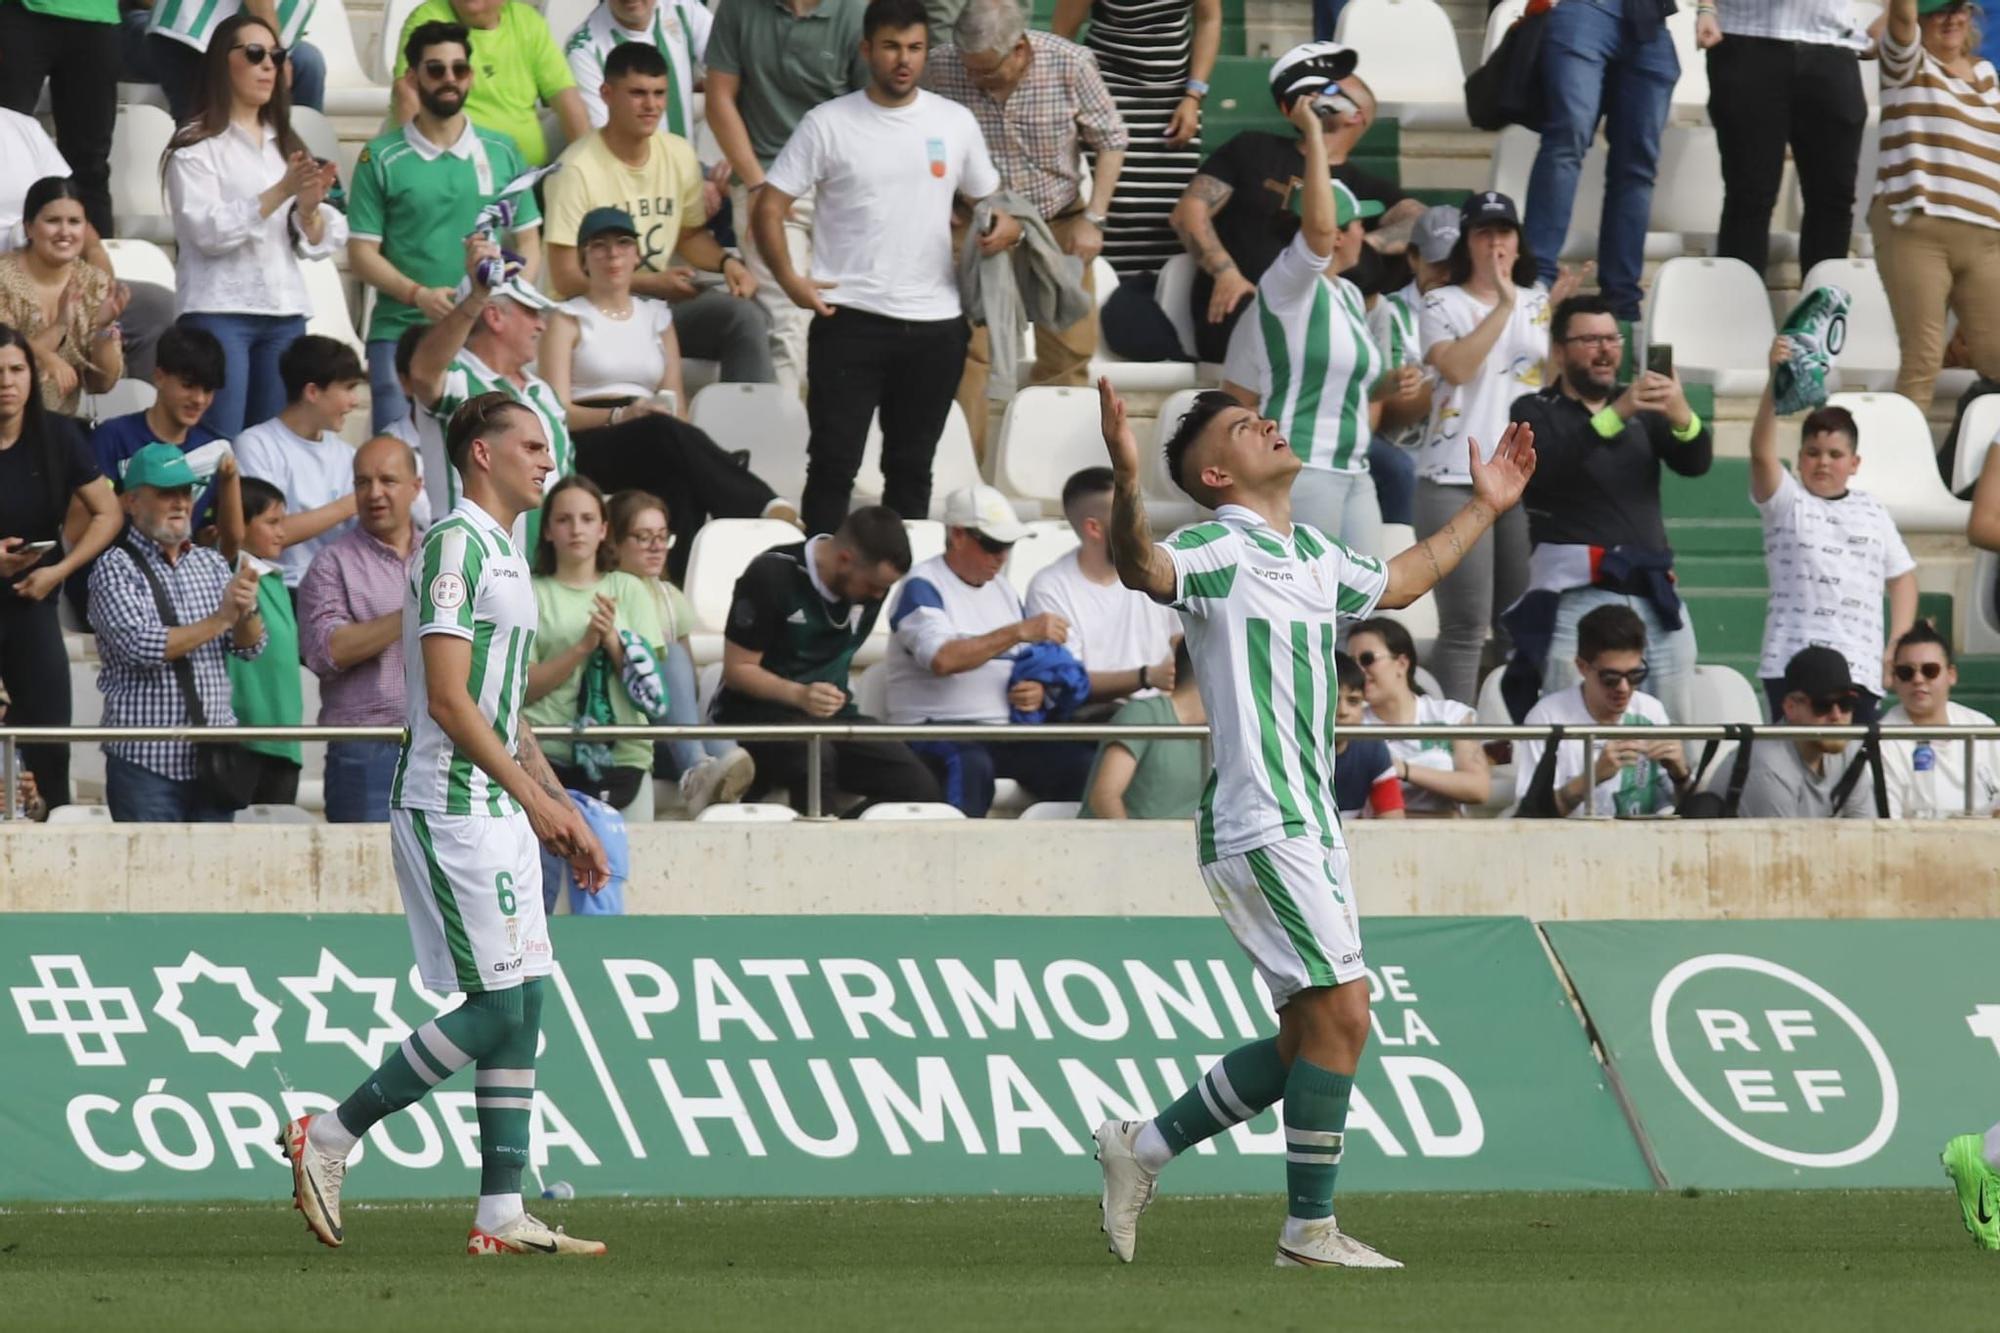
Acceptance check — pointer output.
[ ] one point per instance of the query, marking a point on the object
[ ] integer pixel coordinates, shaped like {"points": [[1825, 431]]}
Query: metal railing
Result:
{"points": [[816, 735]]}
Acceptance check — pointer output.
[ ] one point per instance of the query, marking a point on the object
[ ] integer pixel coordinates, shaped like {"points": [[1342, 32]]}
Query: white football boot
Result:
{"points": [[1128, 1186]]}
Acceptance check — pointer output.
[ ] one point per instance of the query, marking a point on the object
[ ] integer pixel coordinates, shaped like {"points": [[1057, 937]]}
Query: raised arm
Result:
{"points": [[1901, 17], [1766, 472], [1497, 486], [1141, 565]]}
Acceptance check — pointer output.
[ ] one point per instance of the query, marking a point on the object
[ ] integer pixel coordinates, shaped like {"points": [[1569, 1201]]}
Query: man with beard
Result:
{"points": [[417, 193], [1804, 779], [1594, 519], [156, 566]]}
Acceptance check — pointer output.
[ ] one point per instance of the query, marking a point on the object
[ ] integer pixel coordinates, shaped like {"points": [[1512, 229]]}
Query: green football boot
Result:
{"points": [[1978, 1188]]}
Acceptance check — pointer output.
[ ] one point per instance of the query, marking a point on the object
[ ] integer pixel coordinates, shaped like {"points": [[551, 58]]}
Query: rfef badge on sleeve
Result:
{"points": [[936, 149]]}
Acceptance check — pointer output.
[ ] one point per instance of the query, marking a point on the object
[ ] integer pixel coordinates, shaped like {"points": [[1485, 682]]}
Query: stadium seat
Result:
{"points": [[349, 89], [954, 466], [564, 17], [747, 812], [1411, 60], [912, 810], [124, 398], [1687, 209], [1505, 15], [1720, 694], [1053, 810], [871, 687], [723, 549], [327, 290], [1167, 505], [137, 197], [698, 372], [1047, 435], [1696, 209], [1420, 617], [764, 419], [1492, 708], [1717, 317], [274, 814], [926, 538], [80, 814], [1899, 463], [140, 261], [1976, 433], [1690, 97], [1104, 278], [1864, 176], [1870, 357], [1982, 626], [322, 139], [1172, 292], [1422, 675], [1047, 541], [395, 13]]}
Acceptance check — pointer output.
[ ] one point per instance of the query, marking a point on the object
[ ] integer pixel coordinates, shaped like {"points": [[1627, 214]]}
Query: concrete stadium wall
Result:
{"points": [[1663, 870]]}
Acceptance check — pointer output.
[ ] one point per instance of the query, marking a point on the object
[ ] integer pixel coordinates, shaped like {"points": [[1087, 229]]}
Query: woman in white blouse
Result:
{"points": [[1439, 778], [248, 204], [609, 354]]}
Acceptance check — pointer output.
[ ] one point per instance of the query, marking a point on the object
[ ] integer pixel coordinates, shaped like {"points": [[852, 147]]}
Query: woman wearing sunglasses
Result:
{"points": [[248, 205], [1923, 677], [1438, 777]]}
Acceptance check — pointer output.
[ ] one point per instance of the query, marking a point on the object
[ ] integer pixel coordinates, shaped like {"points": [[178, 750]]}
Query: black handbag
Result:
{"points": [[1507, 88], [1540, 800], [1870, 759], [1699, 804], [224, 769]]}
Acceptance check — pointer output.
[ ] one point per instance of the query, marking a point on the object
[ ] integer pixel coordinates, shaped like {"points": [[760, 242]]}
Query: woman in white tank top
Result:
{"points": [[607, 353]]}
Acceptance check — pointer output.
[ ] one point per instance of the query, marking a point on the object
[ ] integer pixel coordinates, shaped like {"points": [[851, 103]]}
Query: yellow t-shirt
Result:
{"points": [[515, 66], [663, 196]]}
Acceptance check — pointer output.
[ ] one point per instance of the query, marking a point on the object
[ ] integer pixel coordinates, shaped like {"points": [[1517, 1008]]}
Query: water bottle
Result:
{"points": [[1923, 787]]}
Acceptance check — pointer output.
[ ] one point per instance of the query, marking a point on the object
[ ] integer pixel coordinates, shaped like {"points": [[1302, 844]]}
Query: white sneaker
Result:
{"points": [[717, 780], [1128, 1186], [316, 1180], [1320, 1243], [528, 1234]]}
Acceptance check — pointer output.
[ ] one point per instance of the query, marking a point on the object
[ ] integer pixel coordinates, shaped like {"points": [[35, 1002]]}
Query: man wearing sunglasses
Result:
{"points": [[1923, 676], [1630, 777], [1797, 779]]}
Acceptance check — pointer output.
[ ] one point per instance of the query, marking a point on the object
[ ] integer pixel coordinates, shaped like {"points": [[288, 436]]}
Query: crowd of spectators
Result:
{"points": [[901, 190]]}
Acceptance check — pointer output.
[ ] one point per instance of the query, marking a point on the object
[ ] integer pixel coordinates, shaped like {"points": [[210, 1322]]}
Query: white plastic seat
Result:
{"points": [[124, 398], [1690, 96], [389, 44], [1717, 317], [954, 466], [140, 261], [1167, 504], [747, 812], [912, 810], [1514, 160], [1870, 357], [80, 814], [1420, 617], [871, 689], [723, 549], [1047, 436], [1719, 695], [1155, 376], [697, 372], [926, 539], [1687, 206], [274, 814], [1103, 278], [1173, 291], [1899, 463], [766, 420], [1503, 16], [350, 91], [1492, 706], [138, 199], [322, 139], [564, 17], [331, 317], [1411, 59], [1976, 433], [1053, 810], [1047, 541]]}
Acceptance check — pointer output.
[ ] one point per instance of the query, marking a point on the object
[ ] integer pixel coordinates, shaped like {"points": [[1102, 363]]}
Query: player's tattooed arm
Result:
{"points": [[528, 753], [1141, 565], [1497, 486]]}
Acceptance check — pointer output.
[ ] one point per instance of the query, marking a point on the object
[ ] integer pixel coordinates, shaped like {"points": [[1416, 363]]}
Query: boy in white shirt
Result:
{"points": [[300, 451], [1923, 676], [1635, 777], [1830, 552]]}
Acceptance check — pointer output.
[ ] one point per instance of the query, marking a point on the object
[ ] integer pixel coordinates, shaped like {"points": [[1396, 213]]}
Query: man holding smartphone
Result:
{"points": [[1595, 529]]}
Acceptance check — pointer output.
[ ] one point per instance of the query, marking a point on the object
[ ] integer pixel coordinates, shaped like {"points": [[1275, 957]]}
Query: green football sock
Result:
{"points": [[504, 1093], [432, 1054], [1236, 1088], [1315, 1120]]}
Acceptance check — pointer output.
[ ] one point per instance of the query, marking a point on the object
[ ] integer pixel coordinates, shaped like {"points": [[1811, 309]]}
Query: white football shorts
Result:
{"points": [[472, 890], [1291, 906]]}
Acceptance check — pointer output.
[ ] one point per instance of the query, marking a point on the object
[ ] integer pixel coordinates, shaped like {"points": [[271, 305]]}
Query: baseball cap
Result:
{"points": [[1309, 67], [1485, 209], [1933, 6], [1818, 672], [1435, 233], [985, 511], [599, 221], [161, 466], [1346, 206]]}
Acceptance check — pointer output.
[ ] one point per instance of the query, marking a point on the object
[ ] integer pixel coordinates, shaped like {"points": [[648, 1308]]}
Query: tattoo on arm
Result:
{"points": [[1131, 541], [528, 753], [1437, 575], [1197, 233]]}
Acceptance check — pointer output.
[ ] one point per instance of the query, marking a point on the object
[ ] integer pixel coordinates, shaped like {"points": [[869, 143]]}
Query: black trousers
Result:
{"points": [[679, 463], [34, 667], [79, 61], [1762, 95], [860, 365], [874, 770], [277, 779]]}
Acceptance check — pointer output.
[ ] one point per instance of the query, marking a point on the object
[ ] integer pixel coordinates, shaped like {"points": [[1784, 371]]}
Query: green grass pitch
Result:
{"points": [[1765, 1261]]}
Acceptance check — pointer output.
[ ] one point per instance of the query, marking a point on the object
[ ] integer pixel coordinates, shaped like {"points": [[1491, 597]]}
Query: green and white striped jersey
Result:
{"points": [[680, 32], [1261, 612], [467, 378], [1305, 349], [195, 21], [469, 580]]}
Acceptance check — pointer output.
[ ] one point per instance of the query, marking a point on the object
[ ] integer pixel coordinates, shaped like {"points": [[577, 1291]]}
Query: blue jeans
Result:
{"points": [[140, 796], [358, 777], [251, 390], [1591, 67], [308, 76], [967, 770], [684, 710], [385, 392], [1395, 471], [1326, 14], [1670, 655]]}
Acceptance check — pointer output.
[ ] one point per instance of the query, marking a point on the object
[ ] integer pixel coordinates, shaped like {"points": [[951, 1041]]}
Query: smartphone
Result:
{"points": [[34, 548], [1660, 358]]}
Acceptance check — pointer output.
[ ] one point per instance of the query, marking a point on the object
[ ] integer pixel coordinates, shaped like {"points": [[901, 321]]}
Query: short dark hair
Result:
{"points": [[1610, 629], [1925, 632], [45, 192], [1347, 673], [259, 495], [1570, 307], [641, 58], [1395, 638], [313, 361], [480, 415], [192, 354], [1087, 484], [876, 534], [1207, 405], [1832, 420], [406, 343], [897, 14], [432, 34]]}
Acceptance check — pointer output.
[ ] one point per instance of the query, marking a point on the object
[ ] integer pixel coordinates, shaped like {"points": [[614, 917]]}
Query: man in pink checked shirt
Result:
{"points": [[351, 629]]}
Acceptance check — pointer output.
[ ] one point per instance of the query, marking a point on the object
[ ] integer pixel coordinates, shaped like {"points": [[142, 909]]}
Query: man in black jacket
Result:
{"points": [[1594, 523]]}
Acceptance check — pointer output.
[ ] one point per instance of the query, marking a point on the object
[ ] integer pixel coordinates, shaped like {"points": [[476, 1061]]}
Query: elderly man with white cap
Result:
{"points": [[956, 629]]}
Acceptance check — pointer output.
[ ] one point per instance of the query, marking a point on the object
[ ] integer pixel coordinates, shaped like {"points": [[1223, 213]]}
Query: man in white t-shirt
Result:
{"points": [[1830, 552], [1124, 639], [300, 450], [886, 165], [1932, 786], [1632, 777]]}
